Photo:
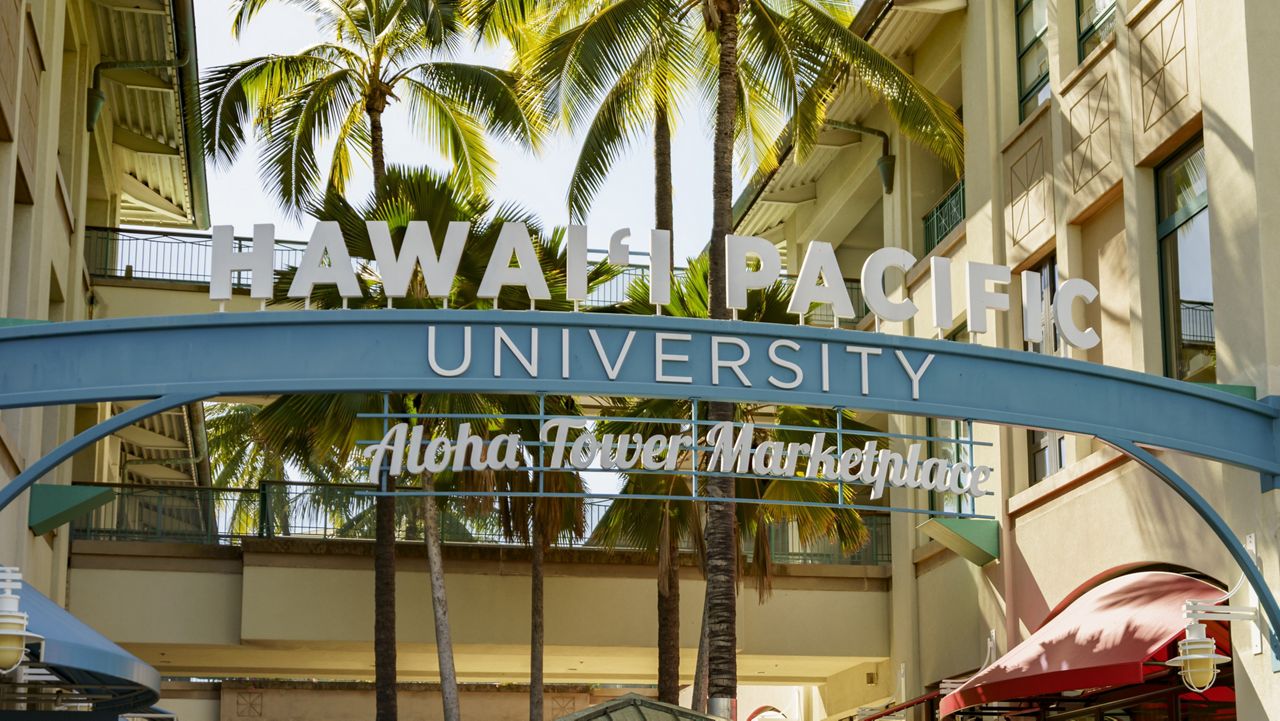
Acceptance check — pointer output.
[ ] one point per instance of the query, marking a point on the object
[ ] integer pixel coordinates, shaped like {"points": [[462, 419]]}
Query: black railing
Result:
{"points": [[1197, 323], [944, 217], [175, 257], [226, 516], [167, 256]]}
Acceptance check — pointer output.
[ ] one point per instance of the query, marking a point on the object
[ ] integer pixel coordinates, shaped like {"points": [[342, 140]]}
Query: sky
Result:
{"points": [[537, 183]]}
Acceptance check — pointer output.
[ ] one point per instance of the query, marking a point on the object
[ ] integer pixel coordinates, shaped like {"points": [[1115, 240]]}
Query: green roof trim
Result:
{"points": [[976, 540], [7, 322], [1243, 391], [53, 506]]}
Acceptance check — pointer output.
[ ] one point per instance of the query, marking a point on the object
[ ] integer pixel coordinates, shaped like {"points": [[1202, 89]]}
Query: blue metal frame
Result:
{"points": [[88, 437], [1266, 600], [179, 360], [206, 356]]}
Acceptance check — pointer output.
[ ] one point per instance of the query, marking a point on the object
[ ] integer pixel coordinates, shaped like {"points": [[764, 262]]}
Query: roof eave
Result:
{"points": [[193, 135], [864, 23]]}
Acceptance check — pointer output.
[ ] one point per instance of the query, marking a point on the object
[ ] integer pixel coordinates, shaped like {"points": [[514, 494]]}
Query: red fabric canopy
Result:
{"points": [[1099, 640]]}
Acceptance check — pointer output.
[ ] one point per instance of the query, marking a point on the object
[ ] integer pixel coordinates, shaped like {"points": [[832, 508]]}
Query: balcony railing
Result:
{"points": [[944, 217], [1197, 323], [224, 516], [167, 256], [175, 257]]}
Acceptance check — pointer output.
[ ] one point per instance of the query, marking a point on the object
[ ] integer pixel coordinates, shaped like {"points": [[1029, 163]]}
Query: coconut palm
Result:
{"points": [[658, 527], [335, 93], [302, 422], [539, 522], [836, 56]]}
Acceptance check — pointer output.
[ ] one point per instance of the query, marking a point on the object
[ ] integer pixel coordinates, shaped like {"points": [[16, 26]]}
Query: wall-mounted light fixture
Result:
{"points": [[13, 623], [887, 161], [1198, 658]]}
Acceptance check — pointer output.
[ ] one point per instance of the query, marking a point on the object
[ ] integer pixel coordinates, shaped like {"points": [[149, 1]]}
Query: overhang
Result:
{"points": [[1102, 639], [85, 668], [155, 134]]}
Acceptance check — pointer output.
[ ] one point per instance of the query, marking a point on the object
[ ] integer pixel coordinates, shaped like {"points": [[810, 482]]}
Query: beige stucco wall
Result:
{"points": [[282, 614], [1076, 179]]}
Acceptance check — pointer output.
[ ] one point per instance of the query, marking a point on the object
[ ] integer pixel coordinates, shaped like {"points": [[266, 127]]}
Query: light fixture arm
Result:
{"points": [[887, 160], [96, 98]]}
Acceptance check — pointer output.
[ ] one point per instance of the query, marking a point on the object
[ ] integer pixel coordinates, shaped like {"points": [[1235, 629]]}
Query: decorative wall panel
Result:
{"points": [[1166, 78]]}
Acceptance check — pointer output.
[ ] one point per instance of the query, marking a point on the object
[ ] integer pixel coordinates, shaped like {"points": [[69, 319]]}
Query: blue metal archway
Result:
{"points": [[171, 361]]}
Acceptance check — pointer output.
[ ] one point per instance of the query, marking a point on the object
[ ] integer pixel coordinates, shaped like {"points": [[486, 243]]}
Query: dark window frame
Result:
{"points": [[1024, 46], [1052, 443], [1102, 22], [1167, 225]]}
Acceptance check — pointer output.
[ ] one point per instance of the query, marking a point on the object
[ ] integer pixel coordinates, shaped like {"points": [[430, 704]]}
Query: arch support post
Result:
{"points": [[1267, 603], [87, 437]]}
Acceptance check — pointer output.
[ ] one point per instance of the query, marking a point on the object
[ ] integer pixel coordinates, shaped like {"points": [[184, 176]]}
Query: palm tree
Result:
{"points": [[658, 527], [336, 92], [306, 422], [539, 522], [837, 56]]}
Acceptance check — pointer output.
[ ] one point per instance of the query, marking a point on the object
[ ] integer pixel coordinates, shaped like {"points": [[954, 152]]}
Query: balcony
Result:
{"points": [[1196, 323], [164, 256], [226, 516], [945, 217], [158, 256]]}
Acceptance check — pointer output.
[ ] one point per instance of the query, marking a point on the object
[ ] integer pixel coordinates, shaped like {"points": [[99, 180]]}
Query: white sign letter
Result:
{"points": [[514, 239], [738, 277], [820, 264], [325, 239], [873, 284], [1067, 293], [977, 275], [417, 248], [258, 261]]}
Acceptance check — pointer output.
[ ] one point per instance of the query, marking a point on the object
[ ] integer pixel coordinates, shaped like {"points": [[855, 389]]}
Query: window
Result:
{"points": [[1033, 55], [954, 444], [1182, 201], [1097, 23], [1049, 281], [1046, 449]]}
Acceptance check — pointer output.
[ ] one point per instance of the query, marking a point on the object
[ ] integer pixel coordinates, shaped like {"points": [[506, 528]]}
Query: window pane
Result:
{"points": [[1192, 298], [1195, 282], [1093, 10], [1098, 35], [1033, 19], [1183, 184], [1032, 67]]}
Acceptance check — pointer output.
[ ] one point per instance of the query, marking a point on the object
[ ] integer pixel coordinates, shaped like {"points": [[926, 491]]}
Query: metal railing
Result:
{"points": [[226, 516], [176, 257], [1197, 322], [167, 255], [944, 217]]}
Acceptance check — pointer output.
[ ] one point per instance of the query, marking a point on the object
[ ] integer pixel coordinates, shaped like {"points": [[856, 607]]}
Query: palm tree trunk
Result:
{"points": [[722, 662], [663, 212], [669, 573], [536, 637], [377, 151], [384, 614], [440, 609], [669, 616], [700, 670]]}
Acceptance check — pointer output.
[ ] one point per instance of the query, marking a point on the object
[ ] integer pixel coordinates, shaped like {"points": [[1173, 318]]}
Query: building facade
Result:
{"points": [[1121, 142]]}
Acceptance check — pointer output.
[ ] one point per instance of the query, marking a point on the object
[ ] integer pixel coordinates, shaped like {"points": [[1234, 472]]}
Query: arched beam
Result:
{"points": [[1266, 599], [598, 354], [87, 437]]}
